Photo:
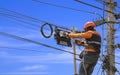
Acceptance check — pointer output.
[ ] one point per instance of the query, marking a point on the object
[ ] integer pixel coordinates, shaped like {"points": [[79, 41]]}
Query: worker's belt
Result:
{"points": [[95, 42], [89, 50]]}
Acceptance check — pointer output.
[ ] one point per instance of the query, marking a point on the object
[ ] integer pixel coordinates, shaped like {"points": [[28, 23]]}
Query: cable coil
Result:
{"points": [[43, 33]]}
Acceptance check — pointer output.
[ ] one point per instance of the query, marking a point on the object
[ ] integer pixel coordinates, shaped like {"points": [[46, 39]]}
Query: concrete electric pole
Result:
{"points": [[110, 5]]}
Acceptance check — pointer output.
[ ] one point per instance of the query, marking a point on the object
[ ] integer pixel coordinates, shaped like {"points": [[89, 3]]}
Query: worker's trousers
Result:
{"points": [[88, 63]]}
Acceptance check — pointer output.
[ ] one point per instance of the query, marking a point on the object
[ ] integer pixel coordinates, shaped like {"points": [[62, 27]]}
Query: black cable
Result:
{"points": [[24, 24], [94, 6], [15, 16], [36, 20], [23, 49], [51, 4], [17, 19], [21, 15], [42, 30], [31, 41], [63, 6]]}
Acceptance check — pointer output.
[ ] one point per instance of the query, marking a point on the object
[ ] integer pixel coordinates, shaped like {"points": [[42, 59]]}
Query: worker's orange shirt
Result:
{"points": [[86, 35]]}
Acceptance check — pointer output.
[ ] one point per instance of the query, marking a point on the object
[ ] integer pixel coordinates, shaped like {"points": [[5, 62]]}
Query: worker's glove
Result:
{"points": [[63, 34]]}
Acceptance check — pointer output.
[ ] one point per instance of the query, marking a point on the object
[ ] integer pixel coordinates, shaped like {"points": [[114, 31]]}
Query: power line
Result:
{"points": [[24, 24], [16, 15], [51, 4], [103, 2], [18, 20], [21, 15], [31, 41], [94, 6], [36, 20], [63, 7]]}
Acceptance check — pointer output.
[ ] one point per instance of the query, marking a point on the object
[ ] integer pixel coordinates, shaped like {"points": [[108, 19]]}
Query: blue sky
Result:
{"points": [[47, 61]]}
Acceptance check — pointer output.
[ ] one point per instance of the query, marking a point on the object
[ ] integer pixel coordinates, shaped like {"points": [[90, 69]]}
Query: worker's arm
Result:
{"points": [[80, 35]]}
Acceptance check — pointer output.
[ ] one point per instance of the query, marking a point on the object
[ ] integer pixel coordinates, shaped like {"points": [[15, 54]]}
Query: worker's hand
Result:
{"points": [[64, 34]]}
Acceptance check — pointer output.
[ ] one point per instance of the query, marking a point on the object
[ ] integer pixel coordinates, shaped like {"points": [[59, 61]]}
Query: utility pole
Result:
{"points": [[74, 51], [110, 5]]}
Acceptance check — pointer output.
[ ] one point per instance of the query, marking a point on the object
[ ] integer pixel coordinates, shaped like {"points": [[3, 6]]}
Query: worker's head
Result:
{"points": [[89, 26]]}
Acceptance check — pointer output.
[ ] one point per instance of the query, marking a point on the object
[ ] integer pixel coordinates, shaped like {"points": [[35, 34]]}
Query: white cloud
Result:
{"points": [[49, 57], [7, 41], [33, 67]]}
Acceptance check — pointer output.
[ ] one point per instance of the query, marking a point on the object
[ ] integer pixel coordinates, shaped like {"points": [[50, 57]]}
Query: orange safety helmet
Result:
{"points": [[88, 24]]}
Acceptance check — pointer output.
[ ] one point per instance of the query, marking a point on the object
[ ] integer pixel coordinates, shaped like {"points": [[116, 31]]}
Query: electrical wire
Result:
{"points": [[19, 20], [41, 29], [31, 41], [104, 2], [23, 49], [15, 18], [20, 15], [51, 4], [11, 16], [35, 19], [94, 6]]}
